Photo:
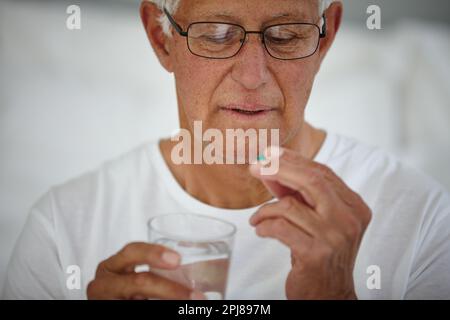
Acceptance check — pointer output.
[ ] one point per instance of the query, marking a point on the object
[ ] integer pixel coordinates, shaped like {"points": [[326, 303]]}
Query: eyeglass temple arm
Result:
{"points": [[323, 32], [175, 24]]}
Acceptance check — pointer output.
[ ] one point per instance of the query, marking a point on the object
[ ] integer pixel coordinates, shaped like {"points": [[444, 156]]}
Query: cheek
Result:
{"points": [[297, 84], [196, 80]]}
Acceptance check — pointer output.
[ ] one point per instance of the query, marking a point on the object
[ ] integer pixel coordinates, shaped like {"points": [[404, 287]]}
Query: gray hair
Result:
{"points": [[172, 6]]}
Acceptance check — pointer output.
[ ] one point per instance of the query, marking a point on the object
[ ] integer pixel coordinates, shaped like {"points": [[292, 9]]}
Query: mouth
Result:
{"points": [[247, 111]]}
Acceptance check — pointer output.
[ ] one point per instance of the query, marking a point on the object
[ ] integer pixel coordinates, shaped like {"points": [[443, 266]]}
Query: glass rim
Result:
{"points": [[262, 30], [226, 235], [269, 51], [241, 45], [179, 30]]}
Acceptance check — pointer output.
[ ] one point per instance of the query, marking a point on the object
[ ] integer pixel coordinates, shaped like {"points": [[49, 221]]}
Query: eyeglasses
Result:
{"points": [[219, 40]]}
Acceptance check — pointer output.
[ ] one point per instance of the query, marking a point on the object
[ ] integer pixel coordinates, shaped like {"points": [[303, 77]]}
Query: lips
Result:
{"points": [[247, 109]]}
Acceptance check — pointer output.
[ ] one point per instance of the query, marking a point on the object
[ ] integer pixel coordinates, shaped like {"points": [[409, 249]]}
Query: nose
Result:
{"points": [[250, 69]]}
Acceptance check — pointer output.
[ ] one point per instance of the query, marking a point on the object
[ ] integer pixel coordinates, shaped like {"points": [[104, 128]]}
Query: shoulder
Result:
{"points": [[351, 154], [383, 178], [121, 172], [63, 218], [100, 190]]}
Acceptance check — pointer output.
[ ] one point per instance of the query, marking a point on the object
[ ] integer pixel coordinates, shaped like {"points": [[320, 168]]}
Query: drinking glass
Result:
{"points": [[205, 246]]}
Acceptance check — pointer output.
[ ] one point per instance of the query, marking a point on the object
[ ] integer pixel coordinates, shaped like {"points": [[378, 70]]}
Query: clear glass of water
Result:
{"points": [[205, 246]]}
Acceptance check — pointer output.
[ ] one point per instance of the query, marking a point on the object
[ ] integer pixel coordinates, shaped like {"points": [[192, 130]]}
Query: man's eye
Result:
{"points": [[281, 39], [219, 39]]}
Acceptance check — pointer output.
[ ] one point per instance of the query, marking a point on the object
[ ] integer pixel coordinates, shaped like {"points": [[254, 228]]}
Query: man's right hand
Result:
{"points": [[116, 278]]}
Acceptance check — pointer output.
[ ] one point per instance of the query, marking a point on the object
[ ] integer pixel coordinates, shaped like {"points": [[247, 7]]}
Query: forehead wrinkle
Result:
{"points": [[208, 10], [228, 16]]}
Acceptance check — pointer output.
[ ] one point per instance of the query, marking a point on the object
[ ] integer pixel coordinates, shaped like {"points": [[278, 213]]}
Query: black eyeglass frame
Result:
{"points": [[179, 29]]}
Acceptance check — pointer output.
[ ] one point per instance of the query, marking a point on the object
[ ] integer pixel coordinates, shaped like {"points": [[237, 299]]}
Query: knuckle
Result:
{"points": [[353, 228], [288, 203], [127, 250], [364, 211], [324, 171], [102, 268], [367, 216], [141, 279], [92, 289], [315, 178]]}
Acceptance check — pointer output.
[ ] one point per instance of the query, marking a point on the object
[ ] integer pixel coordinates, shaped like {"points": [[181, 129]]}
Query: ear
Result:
{"points": [[334, 17], [159, 41]]}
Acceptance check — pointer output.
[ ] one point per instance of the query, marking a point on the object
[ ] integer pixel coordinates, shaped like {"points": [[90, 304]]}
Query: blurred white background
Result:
{"points": [[72, 99]]}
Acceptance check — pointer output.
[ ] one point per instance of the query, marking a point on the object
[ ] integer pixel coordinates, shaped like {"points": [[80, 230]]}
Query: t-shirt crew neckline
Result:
{"points": [[194, 205]]}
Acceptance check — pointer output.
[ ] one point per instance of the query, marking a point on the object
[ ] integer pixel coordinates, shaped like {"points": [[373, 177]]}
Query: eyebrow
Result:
{"points": [[295, 16]]}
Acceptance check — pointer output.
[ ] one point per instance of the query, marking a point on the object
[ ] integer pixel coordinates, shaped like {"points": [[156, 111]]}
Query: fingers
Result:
{"points": [[140, 253], [298, 241], [289, 208], [276, 189], [318, 184], [321, 170], [313, 189], [116, 279], [143, 285]]}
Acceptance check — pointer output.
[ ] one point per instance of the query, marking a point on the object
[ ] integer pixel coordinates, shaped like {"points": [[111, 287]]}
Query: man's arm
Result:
{"points": [[430, 274], [34, 271]]}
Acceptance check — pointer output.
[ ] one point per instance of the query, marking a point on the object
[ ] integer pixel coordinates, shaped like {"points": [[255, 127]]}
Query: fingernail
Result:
{"points": [[171, 258], [197, 295]]}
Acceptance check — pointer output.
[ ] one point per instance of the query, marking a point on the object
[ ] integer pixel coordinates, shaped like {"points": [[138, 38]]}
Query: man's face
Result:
{"points": [[211, 90]]}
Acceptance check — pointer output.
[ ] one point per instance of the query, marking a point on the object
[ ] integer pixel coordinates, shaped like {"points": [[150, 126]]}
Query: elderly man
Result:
{"points": [[336, 220]]}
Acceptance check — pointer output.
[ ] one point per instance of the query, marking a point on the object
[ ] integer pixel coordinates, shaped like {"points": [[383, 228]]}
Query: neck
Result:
{"points": [[232, 186]]}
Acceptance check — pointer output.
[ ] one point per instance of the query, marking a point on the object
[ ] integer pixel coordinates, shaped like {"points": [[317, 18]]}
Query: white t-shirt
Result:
{"points": [[90, 218]]}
